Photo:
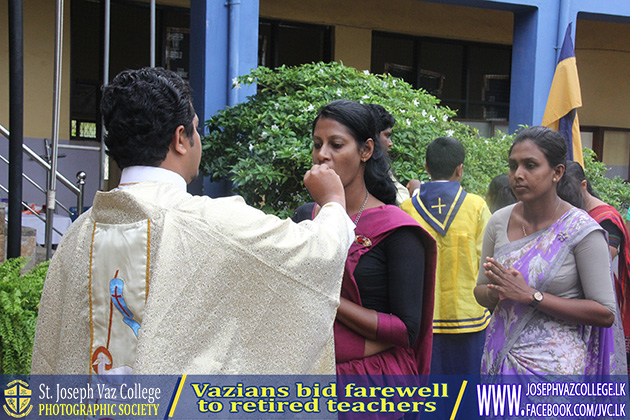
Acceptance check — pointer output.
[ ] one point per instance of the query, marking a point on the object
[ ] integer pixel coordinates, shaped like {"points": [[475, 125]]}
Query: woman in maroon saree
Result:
{"points": [[384, 320], [618, 241]]}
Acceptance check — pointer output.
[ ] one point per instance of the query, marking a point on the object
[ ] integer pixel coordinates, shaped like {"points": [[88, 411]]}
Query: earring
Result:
{"points": [[554, 180]]}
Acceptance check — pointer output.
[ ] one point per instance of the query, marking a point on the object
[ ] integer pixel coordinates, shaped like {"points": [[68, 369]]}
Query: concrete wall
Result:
{"points": [[602, 47], [39, 45], [39, 36], [354, 23], [603, 58], [602, 51]]}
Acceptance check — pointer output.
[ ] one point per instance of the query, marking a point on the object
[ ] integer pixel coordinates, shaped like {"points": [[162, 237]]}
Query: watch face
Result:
{"points": [[538, 296]]}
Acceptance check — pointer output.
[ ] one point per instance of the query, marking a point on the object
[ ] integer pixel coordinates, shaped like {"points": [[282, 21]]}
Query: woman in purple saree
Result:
{"points": [[546, 273]]}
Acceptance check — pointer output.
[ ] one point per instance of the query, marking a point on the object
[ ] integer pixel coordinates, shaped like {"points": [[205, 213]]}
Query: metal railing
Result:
{"points": [[76, 190]]}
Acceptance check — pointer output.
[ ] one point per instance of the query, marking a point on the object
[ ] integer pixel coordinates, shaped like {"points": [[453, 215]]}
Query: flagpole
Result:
{"points": [[563, 22]]}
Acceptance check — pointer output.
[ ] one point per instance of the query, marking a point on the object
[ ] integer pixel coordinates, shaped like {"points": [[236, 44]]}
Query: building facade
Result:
{"points": [[492, 61]]}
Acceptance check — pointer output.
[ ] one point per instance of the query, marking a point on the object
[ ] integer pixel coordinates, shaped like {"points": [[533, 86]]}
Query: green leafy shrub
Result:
{"points": [[264, 145], [615, 191], [19, 303]]}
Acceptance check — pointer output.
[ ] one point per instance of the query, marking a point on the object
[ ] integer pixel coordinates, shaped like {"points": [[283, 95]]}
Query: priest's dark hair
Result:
{"points": [[141, 111], [358, 119], [443, 156]]}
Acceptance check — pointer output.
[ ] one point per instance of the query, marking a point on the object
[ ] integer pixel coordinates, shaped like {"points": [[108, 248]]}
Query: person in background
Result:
{"points": [[499, 193], [153, 280], [618, 240], [383, 324], [546, 272], [457, 220], [384, 124]]}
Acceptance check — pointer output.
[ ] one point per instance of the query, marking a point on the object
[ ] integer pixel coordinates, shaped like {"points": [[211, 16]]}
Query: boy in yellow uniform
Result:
{"points": [[457, 220]]}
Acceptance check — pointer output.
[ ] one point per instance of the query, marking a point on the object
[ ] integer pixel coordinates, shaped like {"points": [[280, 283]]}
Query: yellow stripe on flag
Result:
{"points": [[565, 92]]}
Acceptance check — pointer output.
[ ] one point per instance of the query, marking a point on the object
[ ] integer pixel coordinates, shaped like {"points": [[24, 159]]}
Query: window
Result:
{"points": [[471, 78], [129, 49], [612, 146], [292, 44]]}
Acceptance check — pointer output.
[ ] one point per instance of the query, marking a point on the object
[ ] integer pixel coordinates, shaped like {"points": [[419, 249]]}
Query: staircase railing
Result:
{"points": [[78, 191]]}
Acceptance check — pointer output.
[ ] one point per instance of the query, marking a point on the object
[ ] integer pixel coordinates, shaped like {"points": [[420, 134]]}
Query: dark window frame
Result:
{"points": [[598, 140], [328, 30], [465, 93], [160, 35]]}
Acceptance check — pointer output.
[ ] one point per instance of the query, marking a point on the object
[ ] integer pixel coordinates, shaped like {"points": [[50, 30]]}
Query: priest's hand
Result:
{"points": [[324, 185]]}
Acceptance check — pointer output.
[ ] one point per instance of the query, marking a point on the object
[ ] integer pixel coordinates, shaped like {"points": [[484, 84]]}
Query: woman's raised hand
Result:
{"points": [[508, 282]]}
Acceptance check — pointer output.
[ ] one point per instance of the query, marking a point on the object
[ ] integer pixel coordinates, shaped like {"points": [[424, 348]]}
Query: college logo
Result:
{"points": [[18, 399]]}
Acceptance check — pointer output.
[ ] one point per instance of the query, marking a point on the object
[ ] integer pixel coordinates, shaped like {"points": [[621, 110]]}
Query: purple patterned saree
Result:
{"points": [[521, 340]]}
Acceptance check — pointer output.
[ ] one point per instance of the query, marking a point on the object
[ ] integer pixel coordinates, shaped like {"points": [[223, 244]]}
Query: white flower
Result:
{"points": [[385, 85], [444, 117], [394, 82], [310, 108], [366, 72], [450, 133], [235, 83], [424, 112], [416, 102], [277, 105], [431, 118], [486, 141], [402, 111], [274, 127], [264, 134], [408, 121], [339, 92], [365, 97], [251, 147], [274, 155], [250, 79]]}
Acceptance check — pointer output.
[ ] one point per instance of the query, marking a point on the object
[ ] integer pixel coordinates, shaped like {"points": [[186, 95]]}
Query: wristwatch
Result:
{"points": [[538, 297]]}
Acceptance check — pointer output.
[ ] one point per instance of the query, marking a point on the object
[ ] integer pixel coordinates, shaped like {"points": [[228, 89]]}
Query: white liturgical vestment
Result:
{"points": [[153, 280]]}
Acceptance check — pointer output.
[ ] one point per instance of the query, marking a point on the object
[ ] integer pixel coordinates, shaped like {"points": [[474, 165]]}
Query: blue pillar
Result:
{"points": [[210, 57], [209, 47], [533, 63]]}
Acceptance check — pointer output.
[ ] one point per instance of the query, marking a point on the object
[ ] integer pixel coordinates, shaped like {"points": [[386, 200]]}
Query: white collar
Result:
{"points": [[135, 174]]}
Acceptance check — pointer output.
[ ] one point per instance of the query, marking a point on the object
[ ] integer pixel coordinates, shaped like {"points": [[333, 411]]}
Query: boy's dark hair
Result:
{"points": [[141, 110], [383, 119], [443, 156]]}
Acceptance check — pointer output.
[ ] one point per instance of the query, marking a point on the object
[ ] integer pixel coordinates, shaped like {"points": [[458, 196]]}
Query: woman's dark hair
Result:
{"points": [[358, 119], [554, 147], [141, 110], [575, 172], [575, 175], [500, 193], [382, 118]]}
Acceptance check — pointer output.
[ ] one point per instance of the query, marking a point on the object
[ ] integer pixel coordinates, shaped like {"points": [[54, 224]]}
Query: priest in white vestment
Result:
{"points": [[153, 280]]}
